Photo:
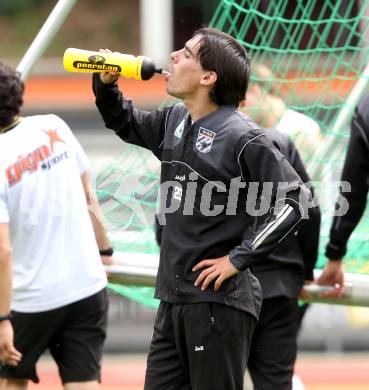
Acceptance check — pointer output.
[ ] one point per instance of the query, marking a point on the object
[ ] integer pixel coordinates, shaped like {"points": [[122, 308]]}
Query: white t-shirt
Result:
{"points": [[55, 255], [303, 130]]}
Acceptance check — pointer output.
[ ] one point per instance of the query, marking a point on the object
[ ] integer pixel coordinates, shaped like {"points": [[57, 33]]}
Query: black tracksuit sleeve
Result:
{"points": [[138, 127], [356, 172], [261, 162], [308, 234]]}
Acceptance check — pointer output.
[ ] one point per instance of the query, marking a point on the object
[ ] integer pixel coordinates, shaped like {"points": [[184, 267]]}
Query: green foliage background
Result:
{"points": [[92, 24]]}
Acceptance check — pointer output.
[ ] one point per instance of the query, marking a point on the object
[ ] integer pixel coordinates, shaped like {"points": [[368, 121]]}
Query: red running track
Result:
{"points": [[318, 372]]}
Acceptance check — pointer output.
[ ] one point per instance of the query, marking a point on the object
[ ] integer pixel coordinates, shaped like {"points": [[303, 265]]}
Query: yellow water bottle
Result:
{"points": [[139, 68]]}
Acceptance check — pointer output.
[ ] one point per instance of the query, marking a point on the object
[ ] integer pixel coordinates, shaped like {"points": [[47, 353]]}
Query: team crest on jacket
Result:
{"points": [[204, 140]]}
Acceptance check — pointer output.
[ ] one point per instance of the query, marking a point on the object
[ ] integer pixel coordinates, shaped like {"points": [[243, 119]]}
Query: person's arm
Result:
{"points": [[139, 127], [355, 171], [309, 233], [83, 165], [5, 271], [97, 221], [8, 354]]}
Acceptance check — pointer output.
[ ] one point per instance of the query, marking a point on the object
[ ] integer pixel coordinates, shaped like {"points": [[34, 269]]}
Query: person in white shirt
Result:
{"points": [[265, 106], [52, 278]]}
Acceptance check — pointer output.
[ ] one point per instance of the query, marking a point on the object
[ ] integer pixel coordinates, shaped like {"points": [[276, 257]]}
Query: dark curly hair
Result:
{"points": [[11, 94]]}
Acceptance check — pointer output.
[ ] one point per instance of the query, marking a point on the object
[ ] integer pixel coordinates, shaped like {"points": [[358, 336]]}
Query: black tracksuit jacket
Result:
{"points": [[201, 165], [284, 271], [356, 172]]}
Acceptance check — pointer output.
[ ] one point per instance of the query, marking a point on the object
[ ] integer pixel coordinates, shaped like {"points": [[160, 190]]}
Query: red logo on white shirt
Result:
{"points": [[30, 163]]}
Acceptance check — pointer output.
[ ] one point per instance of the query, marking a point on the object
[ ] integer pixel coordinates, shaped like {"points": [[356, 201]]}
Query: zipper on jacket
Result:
{"points": [[212, 318]]}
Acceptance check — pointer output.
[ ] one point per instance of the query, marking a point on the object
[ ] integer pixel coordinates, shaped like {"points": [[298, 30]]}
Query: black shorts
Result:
{"points": [[199, 346], [74, 335]]}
